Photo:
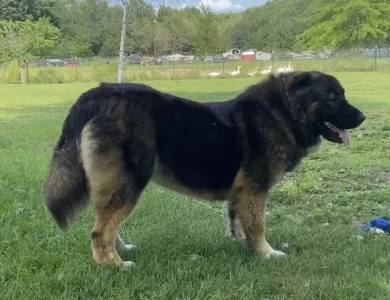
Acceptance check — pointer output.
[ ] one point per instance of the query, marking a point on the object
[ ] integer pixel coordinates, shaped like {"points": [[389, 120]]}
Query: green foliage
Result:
{"points": [[39, 36], [62, 48], [48, 74], [93, 27], [342, 23], [13, 10], [12, 72], [79, 47], [22, 10], [28, 39], [207, 32], [103, 72], [88, 22], [272, 26]]}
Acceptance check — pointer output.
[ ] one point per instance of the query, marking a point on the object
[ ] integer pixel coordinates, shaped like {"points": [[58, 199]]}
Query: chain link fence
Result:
{"points": [[193, 67]]}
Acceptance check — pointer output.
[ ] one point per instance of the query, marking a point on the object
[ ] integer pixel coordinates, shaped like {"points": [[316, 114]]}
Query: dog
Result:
{"points": [[118, 137]]}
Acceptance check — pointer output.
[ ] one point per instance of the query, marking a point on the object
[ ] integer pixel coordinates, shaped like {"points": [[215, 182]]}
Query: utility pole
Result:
{"points": [[121, 64]]}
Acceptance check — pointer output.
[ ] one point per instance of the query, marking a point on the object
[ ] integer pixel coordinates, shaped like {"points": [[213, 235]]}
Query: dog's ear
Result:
{"points": [[297, 82], [295, 87]]}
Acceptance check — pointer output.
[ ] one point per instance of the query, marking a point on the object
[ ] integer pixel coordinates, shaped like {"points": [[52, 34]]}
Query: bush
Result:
{"points": [[103, 72], [12, 72], [48, 74]]}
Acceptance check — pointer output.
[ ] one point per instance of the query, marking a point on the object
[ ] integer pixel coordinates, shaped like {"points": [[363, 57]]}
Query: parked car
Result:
{"points": [[134, 59], [56, 62], [213, 59], [208, 59], [217, 59], [72, 63]]}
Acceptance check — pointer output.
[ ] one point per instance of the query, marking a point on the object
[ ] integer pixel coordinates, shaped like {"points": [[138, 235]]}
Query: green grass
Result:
{"points": [[183, 252]]}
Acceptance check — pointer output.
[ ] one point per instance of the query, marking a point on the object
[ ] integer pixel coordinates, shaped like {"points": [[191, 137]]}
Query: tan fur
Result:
{"points": [[108, 185], [105, 231], [102, 170], [250, 203]]}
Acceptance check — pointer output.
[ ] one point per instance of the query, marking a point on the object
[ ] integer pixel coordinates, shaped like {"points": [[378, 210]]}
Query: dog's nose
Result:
{"points": [[360, 118]]}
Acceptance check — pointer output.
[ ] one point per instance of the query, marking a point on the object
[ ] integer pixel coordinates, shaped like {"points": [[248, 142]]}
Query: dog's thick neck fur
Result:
{"points": [[275, 88]]}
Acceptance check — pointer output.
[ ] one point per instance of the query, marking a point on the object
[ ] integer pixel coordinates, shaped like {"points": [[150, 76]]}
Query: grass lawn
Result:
{"points": [[183, 252]]}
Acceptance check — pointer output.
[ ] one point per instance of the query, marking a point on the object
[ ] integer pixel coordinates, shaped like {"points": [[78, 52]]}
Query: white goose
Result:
{"points": [[214, 74], [235, 73], [266, 72], [252, 74], [281, 69], [289, 68]]}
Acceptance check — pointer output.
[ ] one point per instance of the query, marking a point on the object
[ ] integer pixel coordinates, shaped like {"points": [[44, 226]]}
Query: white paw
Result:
{"points": [[125, 247], [127, 265], [129, 247], [238, 237], [273, 253]]}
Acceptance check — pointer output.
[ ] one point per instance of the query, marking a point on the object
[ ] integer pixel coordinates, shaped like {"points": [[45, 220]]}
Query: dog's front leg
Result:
{"points": [[249, 201]]}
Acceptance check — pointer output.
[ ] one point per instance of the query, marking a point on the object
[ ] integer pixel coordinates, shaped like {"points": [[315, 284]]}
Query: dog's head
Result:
{"points": [[319, 99]]}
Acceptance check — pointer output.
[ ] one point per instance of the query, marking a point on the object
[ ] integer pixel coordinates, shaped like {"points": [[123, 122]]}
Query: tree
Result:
{"points": [[87, 21], [342, 23], [140, 8], [80, 48], [161, 40], [271, 26], [26, 40], [141, 27], [22, 10], [207, 31], [227, 23], [13, 10]]}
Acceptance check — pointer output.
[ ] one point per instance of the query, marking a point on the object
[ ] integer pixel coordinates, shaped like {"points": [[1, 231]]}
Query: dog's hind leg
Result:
{"points": [[110, 213], [235, 229], [249, 202], [114, 186], [121, 246]]}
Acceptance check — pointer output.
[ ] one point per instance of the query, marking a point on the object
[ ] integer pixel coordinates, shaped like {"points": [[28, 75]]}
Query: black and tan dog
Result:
{"points": [[118, 137]]}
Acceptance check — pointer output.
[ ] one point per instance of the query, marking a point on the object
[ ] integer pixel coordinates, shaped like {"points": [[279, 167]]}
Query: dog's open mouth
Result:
{"points": [[334, 134]]}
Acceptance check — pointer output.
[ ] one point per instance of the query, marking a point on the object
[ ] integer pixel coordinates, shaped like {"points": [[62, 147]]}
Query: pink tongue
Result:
{"points": [[343, 135]]}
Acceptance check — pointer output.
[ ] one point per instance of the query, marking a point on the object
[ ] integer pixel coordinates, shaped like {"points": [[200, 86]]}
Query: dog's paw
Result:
{"points": [[235, 231], [274, 253], [127, 265], [238, 237], [126, 247]]}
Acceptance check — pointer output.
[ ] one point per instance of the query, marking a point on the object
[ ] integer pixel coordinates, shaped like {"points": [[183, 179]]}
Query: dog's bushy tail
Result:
{"points": [[66, 188]]}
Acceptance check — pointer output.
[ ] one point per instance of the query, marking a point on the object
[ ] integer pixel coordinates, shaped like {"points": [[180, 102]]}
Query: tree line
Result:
{"points": [[82, 28]]}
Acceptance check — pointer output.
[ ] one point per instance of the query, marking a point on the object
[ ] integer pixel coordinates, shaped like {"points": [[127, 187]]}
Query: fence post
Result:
{"points": [[27, 73], [324, 58], [77, 75], [174, 67], [223, 67], [376, 48]]}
